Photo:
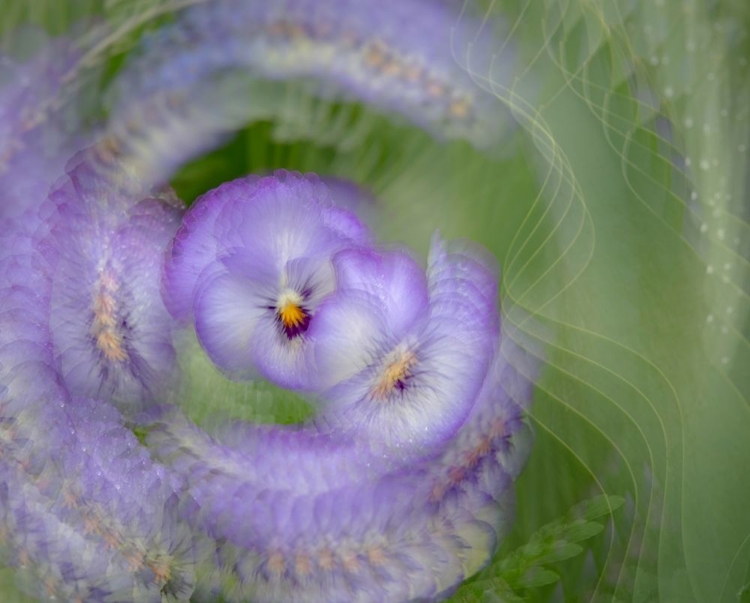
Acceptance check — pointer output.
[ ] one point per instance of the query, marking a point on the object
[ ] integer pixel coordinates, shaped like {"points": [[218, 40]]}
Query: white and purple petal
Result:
{"points": [[228, 310], [193, 247]]}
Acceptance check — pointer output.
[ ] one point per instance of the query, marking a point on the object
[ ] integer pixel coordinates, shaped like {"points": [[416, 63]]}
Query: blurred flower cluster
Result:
{"points": [[399, 486]]}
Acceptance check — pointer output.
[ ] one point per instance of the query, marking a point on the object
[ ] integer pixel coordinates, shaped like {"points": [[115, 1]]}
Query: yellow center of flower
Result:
{"points": [[292, 315], [395, 375]]}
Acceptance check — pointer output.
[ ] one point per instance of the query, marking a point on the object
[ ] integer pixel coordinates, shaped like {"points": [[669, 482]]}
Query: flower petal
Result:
{"points": [[227, 311], [394, 277]]}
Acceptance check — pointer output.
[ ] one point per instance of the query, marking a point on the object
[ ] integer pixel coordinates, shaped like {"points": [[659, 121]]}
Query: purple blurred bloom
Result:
{"points": [[86, 513], [184, 89], [403, 487], [492, 446], [350, 196], [255, 260], [111, 333], [300, 516], [409, 57], [95, 526], [404, 355]]}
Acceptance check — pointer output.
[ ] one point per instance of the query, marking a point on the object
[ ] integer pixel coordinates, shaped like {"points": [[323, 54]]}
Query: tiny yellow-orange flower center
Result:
{"points": [[292, 315], [395, 374]]}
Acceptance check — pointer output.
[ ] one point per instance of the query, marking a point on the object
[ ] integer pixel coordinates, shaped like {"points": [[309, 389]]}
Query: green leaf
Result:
{"points": [[582, 530], [491, 590], [600, 506], [560, 551], [537, 577], [556, 542]]}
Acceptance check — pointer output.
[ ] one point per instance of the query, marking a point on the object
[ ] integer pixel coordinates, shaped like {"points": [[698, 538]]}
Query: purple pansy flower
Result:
{"points": [[259, 253], [404, 353]]}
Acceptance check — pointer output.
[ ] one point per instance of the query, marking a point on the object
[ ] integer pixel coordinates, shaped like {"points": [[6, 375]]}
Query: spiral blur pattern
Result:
{"points": [[400, 485]]}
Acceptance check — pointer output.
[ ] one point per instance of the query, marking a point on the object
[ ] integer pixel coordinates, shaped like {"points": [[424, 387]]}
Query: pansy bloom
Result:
{"points": [[405, 352], [256, 262]]}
